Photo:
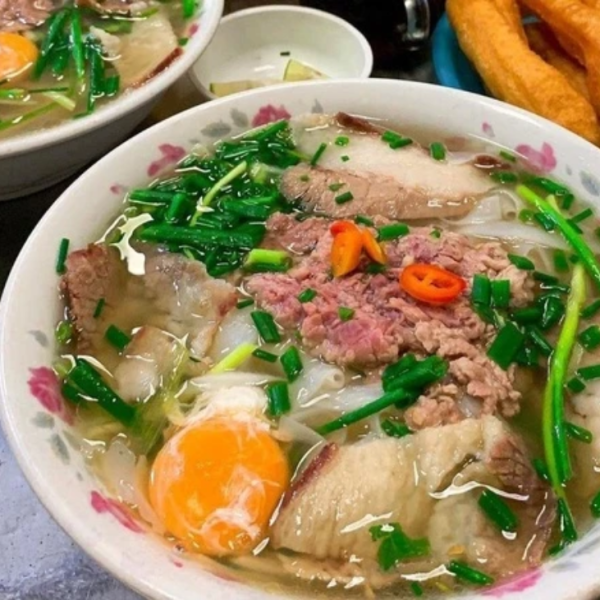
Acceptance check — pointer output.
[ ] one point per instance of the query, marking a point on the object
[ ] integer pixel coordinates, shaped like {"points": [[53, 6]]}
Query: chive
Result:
{"points": [[317, 155], [150, 196], [266, 326], [177, 209], [567, 201], [117, 338], [541, 469], [553, 310], [437, 150], [345, 313], [71, 394], [506, 345], [575, 226], [375, 268], [549, 185], [344, 158], [269, 131], [259, 260], [285, 53], [589, 373], [530, 314], [392, 232], [590, 337], [76, 39], [343, 198], [278, 398], [395, 546], [538, 339], [500, 293], [507, 156], [545, 278], [575, 385], [307, 295], [188, 8], [234, 359], [342, 140], [504, 177], [334, 187], [560, 261], [99, 308], [362, 220], [595, 506], [590, 310], [90, 383], [63, 332], [521, 262], [395, 140], [582, 216], [291, 363], [566, 523], [481, 293], [397, 430], [498, 511], [436, 233], [468, 574], [528, 356], [63, 250], [416, 589], [264, 355], [244, 303], [544, 220], [54, 31], [526, 215], [580, 434]]}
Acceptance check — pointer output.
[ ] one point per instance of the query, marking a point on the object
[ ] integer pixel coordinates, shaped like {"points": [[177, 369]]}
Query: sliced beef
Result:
{"points": [[120, 7], [330, 507], [399, 184], [19, 15]]}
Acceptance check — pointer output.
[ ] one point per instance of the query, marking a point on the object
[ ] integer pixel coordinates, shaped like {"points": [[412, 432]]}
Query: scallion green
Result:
{"points": [[498, 511], [308, 295], [345, 313], [388, 233], [291, 363], [506, 345], [580, 434], [265, 324], [278, 395]]}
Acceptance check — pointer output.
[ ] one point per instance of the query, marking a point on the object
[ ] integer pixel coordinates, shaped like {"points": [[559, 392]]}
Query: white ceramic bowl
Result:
{"points": [[37, 160], [39, 428], [248, 46]]}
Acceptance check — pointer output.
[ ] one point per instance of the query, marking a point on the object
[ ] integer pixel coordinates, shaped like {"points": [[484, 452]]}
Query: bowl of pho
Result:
{"points": [[77, 76], [340, 343]]}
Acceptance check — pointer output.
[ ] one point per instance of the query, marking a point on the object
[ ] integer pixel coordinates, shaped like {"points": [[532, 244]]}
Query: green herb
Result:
{"points": [[545, 278], [260, 260], [506, 345], [560, 261], [595, 506], [99, 308], [183, 41], [188, 8], [590, 338], [116, 337], [566, 523], [342, 140], [548, 185], [538, 339], [63, 332], [468, 574], [77, 43], [71, 394], [580, 434], [343, 198], [436, 233], [410, 374], [481, 292], [55, 27], [437, 150], [317, 155], [504, 177], [575, 385], [582, 216], [509, 156], [567, 201], [395, 546], [392, 232], [395, 140], [334, 187], [304, 178], [244, 303], [345, 313], [498, 511], [264, 355], [278, 396], [521, 262], [235, 359], [544, 220], [500, 293], [374, 268], [291, 363], [526, 215], [394, 429], [266, 326], [362, 220], [416, 589], [529, 314], [63, 251], [541, 469], [553, 310], [285, 53], [589, 373], [590, 310], [344, 158]]}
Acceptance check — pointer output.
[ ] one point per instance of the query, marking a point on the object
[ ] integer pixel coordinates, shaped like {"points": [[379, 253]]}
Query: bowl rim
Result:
{"points": [[208, 18], [41, 484], [285, 8]]}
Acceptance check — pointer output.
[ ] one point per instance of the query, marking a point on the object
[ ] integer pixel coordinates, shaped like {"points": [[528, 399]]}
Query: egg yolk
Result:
{"points": [[216, 483], [17, 55]]}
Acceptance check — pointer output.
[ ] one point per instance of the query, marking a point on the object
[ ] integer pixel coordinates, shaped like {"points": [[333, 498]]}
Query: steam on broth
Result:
{"points": [[61, 60], [322, 354]]}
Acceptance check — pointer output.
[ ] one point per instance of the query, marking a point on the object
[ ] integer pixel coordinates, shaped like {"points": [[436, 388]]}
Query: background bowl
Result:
{"points": [[38, 425], [249, 43], [37, 160]]}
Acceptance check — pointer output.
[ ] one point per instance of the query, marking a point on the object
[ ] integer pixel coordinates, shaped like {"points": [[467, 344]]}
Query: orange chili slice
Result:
{"points": [[346, 251], [340, 226], [431, 284], [373, 247]]}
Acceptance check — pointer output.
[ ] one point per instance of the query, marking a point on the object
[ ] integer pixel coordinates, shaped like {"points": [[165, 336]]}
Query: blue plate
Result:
{"points": [[452, 68]]}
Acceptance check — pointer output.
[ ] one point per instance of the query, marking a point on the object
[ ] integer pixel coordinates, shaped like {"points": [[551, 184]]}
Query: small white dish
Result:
{"points": [[257, 43]]}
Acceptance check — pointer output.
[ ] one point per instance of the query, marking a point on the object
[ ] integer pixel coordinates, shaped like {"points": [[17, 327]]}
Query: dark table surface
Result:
{"points": [[37, 559]]}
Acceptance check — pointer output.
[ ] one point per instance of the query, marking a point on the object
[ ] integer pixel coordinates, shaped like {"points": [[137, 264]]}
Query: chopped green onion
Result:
{"points": [[392, 232], [506, 345], [264, 355], [541, 469], [266, 326], [538, 339], [343, 198], [63, 250], [345, 313], [362, 220], [553, 310], [234, 359], [304, 178], [560, 261], [307, 295], [344, 158], [575, 385], [244, 303], [590, 338], [545, 278], [521, 262], [549, 185], [509, 156], [526, 215], [567, 201], [259, 260], [218, 186], [436, 233], [334, 187], [397, 430], [481, 293], [498, 511], [188, 8], [580, 434], [416, 589], [116, 337], [150, 196], [530, 314], [317, 155], [342, 140], [99, 308], [504, 176], [437, 150], [590, 310], [63, 332], [589, 373], [500, 293], [55, 28], [177, 208], [395, 546], [582, 216], [544, 220], [566, 523], [410, 374], [395, 140], [71, 394], [595, 506], [291, 363], [77, 43], [279, 398], [468, 574]]}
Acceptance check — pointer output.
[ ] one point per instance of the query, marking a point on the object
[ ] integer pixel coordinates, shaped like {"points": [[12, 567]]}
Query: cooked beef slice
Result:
{"points": [[20, 15]]}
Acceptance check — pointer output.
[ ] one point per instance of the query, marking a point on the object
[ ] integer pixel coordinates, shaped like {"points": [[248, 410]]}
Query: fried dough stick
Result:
{"points": [[542, 42], [513, 72], [576, 24]]}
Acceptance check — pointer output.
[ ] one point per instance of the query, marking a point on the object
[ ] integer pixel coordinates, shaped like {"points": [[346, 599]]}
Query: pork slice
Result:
{"points": [[329, 509], [20, 15]]}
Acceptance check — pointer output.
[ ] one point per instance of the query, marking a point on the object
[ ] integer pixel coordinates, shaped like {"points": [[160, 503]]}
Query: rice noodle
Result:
{"points": [[316, 379], [291, 430], [236, 329], [516, 234], [140, 496], [501, 206], [228, 379]]}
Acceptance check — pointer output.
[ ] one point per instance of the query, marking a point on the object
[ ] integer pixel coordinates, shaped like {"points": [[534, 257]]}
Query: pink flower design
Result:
{"points": [[268, 114], [542, 160], [45, 388], [103, 505], [487, 129], [520, 582], [117, 189], [194, 29], [171, 155]]}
